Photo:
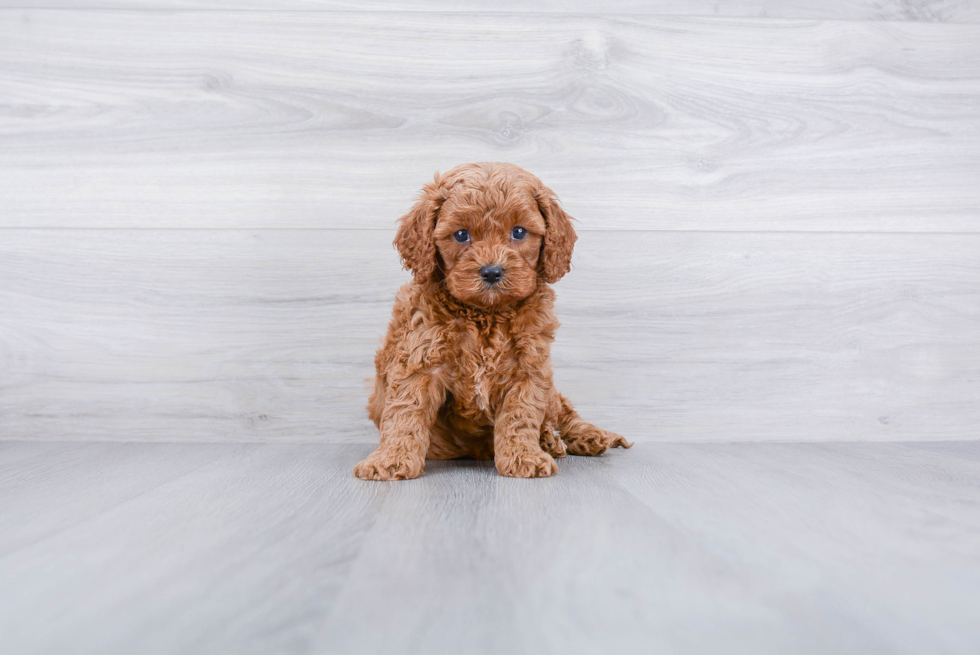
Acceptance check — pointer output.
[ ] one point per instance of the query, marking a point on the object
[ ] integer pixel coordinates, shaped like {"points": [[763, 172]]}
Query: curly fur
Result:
{"points": [[465, 369]]}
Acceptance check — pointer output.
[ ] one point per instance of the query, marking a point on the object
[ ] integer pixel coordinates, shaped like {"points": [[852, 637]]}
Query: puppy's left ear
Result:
{"points": [[414, 238], [559, 237]]}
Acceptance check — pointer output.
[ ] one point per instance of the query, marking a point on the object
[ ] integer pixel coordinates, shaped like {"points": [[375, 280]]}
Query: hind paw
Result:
{"points": [[589, 440]]}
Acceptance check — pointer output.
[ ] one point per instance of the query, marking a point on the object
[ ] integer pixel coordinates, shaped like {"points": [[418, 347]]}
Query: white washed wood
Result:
{"points": [[826, 560], [64, 484], [799, 516], [236, 556], [916, 10], [269, 335], [695, 548], [276, 119]]}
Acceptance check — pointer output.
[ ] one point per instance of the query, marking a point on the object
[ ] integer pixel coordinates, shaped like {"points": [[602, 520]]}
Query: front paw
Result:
{"points": [[527, 464], [381, 465]]}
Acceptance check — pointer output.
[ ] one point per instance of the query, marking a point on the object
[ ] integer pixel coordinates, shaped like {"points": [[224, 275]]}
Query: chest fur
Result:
{"points": [[484, 369]]}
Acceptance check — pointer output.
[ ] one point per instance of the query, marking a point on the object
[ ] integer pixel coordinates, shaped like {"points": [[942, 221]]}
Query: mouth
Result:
{"points": [[490, 293]]}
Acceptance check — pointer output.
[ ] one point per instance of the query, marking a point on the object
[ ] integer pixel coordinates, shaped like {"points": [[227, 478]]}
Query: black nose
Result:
{"points": [[492, 274]]}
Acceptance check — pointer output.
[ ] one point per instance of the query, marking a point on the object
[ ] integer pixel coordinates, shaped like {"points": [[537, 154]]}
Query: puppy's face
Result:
{"points": [[490, 231], [489, 244]]}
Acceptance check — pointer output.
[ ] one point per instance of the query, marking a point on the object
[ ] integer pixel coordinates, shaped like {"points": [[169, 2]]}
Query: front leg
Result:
{"points": [[410, 409], [517, 433]]}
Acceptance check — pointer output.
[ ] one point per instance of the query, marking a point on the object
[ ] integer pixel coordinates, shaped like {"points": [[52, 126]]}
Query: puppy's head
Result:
{"points": [[490, 230]]}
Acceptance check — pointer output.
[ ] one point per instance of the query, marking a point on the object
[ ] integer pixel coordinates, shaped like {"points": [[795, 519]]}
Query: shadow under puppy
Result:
{"points": [[465, 369]]}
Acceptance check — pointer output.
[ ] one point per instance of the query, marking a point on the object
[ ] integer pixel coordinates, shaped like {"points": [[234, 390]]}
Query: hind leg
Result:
{"points": [[376, 403], [551, 442], [583, 438]]}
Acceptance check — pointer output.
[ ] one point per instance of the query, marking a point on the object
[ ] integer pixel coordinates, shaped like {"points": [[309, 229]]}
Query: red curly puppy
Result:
{"points": [[465, 370]]}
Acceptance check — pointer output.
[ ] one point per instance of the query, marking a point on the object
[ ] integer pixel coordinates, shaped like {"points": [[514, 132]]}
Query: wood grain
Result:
{"points": [[269, 335], [236, 556], [320, 119], [46, 488], [802, 548], [895, 10]]}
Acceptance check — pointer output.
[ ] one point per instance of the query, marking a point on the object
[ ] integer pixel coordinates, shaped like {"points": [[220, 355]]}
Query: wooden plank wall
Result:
{"points": [[896, 10], [778, 209]]}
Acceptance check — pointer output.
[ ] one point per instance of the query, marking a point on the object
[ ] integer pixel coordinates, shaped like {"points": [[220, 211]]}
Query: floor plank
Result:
{"points": [[64, 484], [269, 335], [894, 10], [239, 555], [320, 119], [747, 548]]}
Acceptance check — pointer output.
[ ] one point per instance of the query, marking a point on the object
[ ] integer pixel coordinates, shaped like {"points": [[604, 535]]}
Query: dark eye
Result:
{"points": [[461, 236], [518, 233]]}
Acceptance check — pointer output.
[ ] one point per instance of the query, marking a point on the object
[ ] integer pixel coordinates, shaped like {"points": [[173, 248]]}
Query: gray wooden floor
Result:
{"points": [[776, 294], [669, 547]]}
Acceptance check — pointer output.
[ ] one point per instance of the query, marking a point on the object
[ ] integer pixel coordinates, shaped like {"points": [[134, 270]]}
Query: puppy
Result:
{"points": [[465, 369]]}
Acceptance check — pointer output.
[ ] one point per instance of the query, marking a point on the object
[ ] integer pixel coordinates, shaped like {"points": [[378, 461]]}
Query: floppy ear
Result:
{"points": [[414, 238], [559, 237]]}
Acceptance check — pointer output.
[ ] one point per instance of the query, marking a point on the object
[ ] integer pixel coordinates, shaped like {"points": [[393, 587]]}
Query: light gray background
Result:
{"points": [[776, 294]]}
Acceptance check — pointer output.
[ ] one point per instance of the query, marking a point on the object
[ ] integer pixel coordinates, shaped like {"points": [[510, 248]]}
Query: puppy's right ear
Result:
{"points": [[414, 238]]}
